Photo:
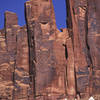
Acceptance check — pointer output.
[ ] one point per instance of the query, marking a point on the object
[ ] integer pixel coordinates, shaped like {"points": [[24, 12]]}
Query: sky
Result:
{"points": [[17, 6]]}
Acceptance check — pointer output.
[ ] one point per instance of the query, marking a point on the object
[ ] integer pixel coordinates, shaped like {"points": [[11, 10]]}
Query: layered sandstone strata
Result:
{"points": [[14, 60]]}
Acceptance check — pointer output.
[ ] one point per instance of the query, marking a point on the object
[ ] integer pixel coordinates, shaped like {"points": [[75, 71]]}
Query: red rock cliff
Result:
{"points": [[38, 62]]}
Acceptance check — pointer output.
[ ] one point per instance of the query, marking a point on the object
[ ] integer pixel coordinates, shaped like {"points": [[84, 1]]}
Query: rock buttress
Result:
{"points": [[14, 60], [47, 53], [83, 28]]}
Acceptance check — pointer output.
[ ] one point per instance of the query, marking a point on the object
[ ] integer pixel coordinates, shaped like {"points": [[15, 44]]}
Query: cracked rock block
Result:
{"points": [[71, 86], [78, 11], [6, 84], [47, 63], [14, 60], [21, 71], [7, 53], [83, 28]]}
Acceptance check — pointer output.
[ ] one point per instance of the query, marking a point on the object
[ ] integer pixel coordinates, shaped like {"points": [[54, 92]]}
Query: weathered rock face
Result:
{"points": [[47, 63], [84, 28], [38, 62], [14, 60]]}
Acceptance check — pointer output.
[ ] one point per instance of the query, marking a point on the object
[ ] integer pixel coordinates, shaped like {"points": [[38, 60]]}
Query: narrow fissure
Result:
{"points": [[69, 18], [14, 82], [89, 55], [32, 60]]}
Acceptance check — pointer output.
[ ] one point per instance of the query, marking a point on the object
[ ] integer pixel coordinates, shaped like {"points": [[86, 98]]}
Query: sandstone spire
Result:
{"points": [[44, 42]]}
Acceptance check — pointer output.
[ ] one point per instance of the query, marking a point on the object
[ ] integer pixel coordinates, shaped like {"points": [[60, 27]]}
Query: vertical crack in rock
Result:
{"points": [[71, 85], [93, 36], [31, 43], [88, 53]]}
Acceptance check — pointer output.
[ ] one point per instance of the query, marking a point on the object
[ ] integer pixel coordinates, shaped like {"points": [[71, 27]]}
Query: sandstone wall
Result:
{"points": [[84, 30], [47, 63], [40, 62], [14, 60]]}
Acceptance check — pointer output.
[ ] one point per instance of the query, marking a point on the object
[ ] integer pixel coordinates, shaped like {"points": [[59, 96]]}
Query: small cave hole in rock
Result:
{"points": [[16, 6], [44, 22], [66, 52], [60, 13]]}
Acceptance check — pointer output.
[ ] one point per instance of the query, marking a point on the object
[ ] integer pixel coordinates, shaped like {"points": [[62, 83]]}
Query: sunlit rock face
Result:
{"points": [[39, 62]]}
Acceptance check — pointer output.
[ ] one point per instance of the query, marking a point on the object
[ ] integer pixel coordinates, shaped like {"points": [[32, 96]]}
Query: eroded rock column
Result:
{"points": [[47, 64]]}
